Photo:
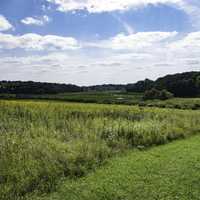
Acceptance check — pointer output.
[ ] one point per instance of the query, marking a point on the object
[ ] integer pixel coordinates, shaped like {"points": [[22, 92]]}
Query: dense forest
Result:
{"points": [[30, 87], [180, 85]]}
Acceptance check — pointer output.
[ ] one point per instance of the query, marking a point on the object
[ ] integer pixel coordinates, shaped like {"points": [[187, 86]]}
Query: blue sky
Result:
{"points": [[98, 41]]}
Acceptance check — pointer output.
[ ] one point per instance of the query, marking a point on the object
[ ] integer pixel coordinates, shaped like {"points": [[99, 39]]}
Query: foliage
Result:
{"points": [[156, 94], [164, 94], [181, 85], [43, 142], [151, 94], [177, 103], [30, 87], [140, 86]]}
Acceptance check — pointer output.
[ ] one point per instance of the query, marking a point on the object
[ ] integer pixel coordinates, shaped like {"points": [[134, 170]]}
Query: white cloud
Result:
{"points": [[135, 41], [187, 47], [188, 43], [106, 5], [191, 7], [37, 42], [4, 24], [38, 21], [121, 59]]}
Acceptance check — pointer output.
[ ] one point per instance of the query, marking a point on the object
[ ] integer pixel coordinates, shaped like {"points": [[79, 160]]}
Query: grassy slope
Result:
{"points": [[166, 172]]}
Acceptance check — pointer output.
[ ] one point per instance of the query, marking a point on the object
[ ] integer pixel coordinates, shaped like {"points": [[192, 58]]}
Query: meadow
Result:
{"points": [[112, 97], [177, 103], [104, 97], [44, 142]]}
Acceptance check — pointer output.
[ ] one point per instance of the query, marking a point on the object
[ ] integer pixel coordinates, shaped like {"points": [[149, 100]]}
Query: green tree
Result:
{"points": [[164, 94], [157, 94]]}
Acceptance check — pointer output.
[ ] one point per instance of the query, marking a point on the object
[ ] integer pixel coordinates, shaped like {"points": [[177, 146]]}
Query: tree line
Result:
{"points": [[30, 87], [180, 85]]}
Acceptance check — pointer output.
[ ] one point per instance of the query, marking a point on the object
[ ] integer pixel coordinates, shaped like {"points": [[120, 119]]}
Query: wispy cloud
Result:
{"points": [[191, 7], [106, 5], [127, 27], [38, 21]]}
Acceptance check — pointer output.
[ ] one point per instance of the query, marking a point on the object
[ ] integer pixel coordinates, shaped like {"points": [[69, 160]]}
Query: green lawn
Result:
{"points": [[166, 172]]}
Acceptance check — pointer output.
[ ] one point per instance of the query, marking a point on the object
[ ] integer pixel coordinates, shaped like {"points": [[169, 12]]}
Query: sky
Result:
{"points": [[88, 42]]}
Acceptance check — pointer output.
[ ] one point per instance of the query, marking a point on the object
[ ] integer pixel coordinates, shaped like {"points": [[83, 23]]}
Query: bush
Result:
{"points": [[156, 94]]}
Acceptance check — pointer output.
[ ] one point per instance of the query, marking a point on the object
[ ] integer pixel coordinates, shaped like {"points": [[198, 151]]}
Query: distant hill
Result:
{"points": [[181, 85], [30, 87]]}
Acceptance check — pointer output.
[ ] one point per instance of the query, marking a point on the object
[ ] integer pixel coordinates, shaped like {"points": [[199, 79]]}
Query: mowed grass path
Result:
{"points": [[167, 172]]}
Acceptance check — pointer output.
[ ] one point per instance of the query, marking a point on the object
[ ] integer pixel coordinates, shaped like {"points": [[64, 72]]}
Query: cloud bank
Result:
{"points": [[136, 41], [120, 59], [37, 42]]}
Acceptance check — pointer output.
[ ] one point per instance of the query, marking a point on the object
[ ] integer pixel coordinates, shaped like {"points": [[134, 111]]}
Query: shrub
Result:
{"points": [[156, 94], [164, 94]]}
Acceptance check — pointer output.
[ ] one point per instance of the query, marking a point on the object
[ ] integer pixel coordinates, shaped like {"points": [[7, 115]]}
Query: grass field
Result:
{"points": [[168, 172], [177, 103], [113, 97], [44, 142]]}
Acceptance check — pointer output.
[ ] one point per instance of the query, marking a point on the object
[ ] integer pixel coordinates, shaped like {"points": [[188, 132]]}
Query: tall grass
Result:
{"points": [[177, 103], [42, 142]]}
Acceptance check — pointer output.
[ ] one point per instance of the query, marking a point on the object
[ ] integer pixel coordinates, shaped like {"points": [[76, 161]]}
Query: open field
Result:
{"points": [[114, 97], [122, 98], [44, 142], [100, 100]]}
